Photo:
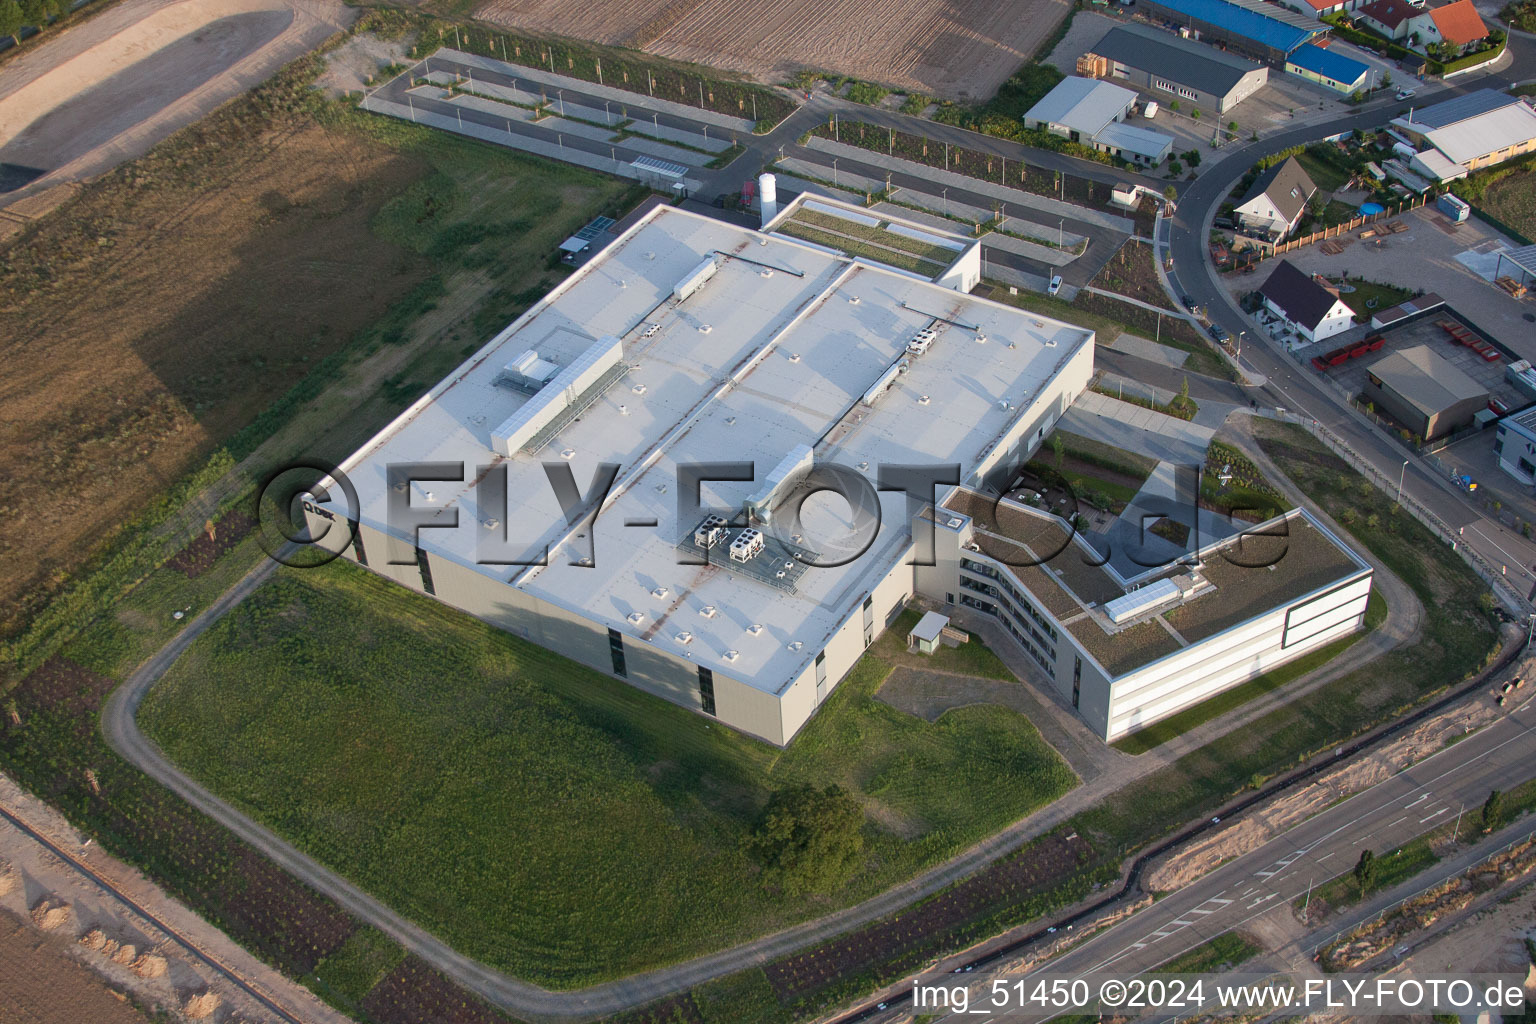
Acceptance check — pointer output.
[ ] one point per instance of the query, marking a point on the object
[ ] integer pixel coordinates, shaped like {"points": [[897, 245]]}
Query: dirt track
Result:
{"points": [[109, 89]]}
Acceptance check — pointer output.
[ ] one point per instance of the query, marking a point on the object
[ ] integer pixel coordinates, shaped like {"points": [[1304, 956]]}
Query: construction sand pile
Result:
{"points": [[10, 878], [150, 965], [50, 913], [201, 1006], [125, 955], [1258, 827], [94, 940]]}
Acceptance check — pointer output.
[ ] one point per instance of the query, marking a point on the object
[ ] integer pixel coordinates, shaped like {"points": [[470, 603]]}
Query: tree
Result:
{"points": [[1195, 113], [11, 20], [34, 13], [808, 840], [1059, 450], [1493, 811], [1170, 193], [1232, 127], [1386, 80], [1365, 871]]}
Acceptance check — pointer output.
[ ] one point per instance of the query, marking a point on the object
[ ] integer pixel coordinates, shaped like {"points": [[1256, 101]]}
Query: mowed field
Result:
{"points": [[1512, 199], [953, 49], [543, 818], [150, 320]]}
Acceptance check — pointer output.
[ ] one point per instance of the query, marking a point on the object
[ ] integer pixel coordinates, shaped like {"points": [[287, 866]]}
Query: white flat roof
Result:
{"points": [[1510, 125], [1085, 105], [795, 338]]}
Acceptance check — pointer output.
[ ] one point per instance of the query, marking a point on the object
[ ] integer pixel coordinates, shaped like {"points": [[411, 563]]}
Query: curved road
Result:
{"points": [[1287, 383]]}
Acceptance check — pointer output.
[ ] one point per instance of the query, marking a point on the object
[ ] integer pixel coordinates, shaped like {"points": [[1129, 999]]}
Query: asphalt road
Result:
{"points": [[1424, 797]]}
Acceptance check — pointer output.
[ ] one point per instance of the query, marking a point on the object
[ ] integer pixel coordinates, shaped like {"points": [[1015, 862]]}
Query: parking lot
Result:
{"points": [[1434, 254]]}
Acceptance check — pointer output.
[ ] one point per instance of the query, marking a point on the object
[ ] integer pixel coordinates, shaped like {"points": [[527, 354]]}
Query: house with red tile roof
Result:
{"points": [[1457, 23]]}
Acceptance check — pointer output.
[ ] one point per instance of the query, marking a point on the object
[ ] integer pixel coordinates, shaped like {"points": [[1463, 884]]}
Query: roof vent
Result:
{"points": [[568, 454], [765, 273], [635, 618], [853, 301], [732, 655], [922, 400], [755, 628], [708, 611], [705, 328], [623, 410], [955, 524], [794, 357], [638, 389], [491, 524], [659, 592], [684, 637], [795, 645]]}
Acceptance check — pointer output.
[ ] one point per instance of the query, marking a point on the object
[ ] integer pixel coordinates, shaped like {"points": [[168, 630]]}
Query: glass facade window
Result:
{"points": [[616, 651], [426, 572], [707, 690], [1018, 614]]}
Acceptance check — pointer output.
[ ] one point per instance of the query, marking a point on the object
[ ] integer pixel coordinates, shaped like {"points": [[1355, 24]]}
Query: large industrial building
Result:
{"points": [[1161, 62], [1126, 652], [1424, 392], [1470, 132], [690, 342]]}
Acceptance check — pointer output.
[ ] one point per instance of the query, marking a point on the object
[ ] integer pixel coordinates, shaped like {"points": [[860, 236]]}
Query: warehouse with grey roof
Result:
{"points": [[1161, 62]]}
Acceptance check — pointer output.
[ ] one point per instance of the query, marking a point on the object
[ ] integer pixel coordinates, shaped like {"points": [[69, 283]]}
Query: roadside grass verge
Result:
{"points": [[509, 799], [1223, 952]]}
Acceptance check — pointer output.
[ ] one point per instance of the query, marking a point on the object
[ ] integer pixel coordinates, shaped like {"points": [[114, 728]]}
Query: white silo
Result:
{"points": [[768, 194]]}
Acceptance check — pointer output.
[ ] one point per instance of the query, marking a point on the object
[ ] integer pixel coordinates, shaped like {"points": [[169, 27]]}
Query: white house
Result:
{"points": [[1274, 205], [1314, 311]]}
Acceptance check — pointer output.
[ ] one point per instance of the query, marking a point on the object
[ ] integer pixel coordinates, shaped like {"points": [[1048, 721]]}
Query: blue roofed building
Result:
{"points": [[1327, 68], [1253, 28]]}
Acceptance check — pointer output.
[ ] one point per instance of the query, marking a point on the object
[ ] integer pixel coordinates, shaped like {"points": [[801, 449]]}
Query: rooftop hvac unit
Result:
{"points": [[695, 279], [747, 545], [922, 341], [710, 532]]}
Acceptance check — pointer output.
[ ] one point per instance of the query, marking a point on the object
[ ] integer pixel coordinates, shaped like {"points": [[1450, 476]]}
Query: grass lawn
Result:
{"points": [[544, 818], [1155, 735], [1324, 173], [1369, 296]]}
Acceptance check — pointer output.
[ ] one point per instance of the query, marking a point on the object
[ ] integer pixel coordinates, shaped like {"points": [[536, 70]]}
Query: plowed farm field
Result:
{"points": [[955, 49]]}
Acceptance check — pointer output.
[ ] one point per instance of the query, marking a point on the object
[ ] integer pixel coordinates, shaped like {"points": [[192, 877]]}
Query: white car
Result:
{"points": [[1055, 285], [1404, 94]]}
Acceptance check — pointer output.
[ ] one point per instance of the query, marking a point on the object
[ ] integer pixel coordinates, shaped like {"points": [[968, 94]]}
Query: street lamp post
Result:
{"points": [[834, 172], [1401, 473], [944, 193]]}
